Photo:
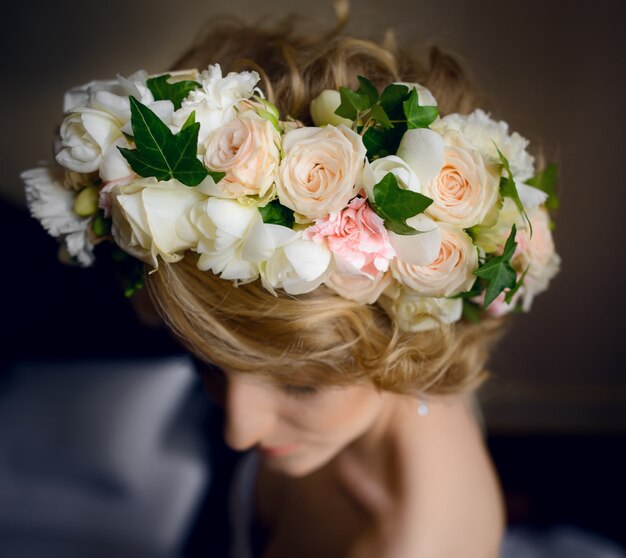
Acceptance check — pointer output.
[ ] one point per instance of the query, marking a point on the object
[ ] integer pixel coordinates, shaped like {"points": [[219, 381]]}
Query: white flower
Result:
{"points": [[151, 218], [53, 205], [424, 97], [414, 312], [86, 134], [233, 240], [480, 130], [297, 267], [215, 102]]}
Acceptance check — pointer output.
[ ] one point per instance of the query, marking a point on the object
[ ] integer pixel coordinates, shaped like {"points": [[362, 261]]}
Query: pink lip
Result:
{"points": [[278, 450]]}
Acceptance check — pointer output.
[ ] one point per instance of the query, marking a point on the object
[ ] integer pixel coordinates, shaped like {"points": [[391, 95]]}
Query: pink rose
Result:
{"points": [[464, 190], [320, 169], [247, 150], [355, 235], [450, 273]]}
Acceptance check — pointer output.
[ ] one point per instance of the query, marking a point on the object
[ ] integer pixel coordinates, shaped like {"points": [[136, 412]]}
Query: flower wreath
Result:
{"points": [[436, 218]]}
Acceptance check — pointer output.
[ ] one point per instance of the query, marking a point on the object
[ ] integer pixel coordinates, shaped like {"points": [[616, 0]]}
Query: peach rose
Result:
{"points": [[355, 235], [464, 190], [450, 273], [360, 288], [536, 253], [320, 169], [247, 150]]}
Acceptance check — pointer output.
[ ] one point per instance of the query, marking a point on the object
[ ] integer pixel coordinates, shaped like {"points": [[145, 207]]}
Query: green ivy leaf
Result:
{"points": [[392, 99], [498, 271], [352, 103], [367, 88], [396, 205], [277, 214], [508, 298], [418, 116], [546, 182], [508, 188], [474, 291], [379, 115], [159, 152], [163, 90]]}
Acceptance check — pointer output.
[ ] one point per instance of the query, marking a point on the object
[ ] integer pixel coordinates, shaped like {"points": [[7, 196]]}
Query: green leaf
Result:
{"points": [[508, 188], [367, 88], [379, 115], [159, 152], [163, 90], [392, 99], [374, 142], [418, 116], [396, 205], [498, 271], [191, 119], [508, 298], [277, 214], [546, 182], [352, 103]]}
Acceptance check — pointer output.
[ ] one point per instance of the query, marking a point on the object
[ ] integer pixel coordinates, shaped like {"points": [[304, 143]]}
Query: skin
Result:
{"points": [[365, 476]]}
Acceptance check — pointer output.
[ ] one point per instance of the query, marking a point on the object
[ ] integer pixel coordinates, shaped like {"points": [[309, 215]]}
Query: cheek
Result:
{"points": [[335, 417]]}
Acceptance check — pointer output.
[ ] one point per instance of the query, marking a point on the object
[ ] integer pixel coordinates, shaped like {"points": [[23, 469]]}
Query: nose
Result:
{"points": [[250, 414]]}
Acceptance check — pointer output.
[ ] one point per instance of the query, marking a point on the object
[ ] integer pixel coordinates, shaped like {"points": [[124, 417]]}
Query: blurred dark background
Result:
{"points": [[555, 406]]}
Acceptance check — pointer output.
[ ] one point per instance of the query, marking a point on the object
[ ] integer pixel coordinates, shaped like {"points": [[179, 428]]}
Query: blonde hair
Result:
{"points": [[318, 338]]}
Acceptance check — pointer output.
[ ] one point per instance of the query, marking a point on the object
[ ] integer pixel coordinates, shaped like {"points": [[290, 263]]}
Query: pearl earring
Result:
{"points": [[422, 407]]}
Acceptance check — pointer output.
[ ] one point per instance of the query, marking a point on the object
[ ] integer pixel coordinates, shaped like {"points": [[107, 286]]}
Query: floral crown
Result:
{"points": [[436, 218]]}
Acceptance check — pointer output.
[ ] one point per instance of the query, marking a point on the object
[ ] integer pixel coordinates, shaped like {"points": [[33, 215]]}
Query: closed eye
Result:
{"points": [[300, 390]]}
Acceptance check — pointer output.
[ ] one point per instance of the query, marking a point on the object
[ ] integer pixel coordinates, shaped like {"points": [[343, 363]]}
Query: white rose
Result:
{"points": [[465, 190], [415, 313], [151, 218], [233, 240], [424, 97], [320, 169], [215, 101], [86, 134], [299, 266], [112, 97], [423, 151], [450, 273], [51, 203], [247, 149]]}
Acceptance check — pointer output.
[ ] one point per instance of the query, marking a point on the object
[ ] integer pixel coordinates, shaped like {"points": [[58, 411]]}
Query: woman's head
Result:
{"points": [[268, 345]]}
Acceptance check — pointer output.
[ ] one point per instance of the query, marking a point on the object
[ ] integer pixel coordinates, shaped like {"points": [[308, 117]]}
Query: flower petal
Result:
{"points": [[421, 248], [422, 149]]}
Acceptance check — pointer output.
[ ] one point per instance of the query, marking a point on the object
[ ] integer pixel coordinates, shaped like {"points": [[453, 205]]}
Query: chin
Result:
{"points": [[297, 466]]}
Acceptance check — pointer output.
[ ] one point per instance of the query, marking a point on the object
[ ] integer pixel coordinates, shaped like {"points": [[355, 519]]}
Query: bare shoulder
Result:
{"points": [[459, 507]]}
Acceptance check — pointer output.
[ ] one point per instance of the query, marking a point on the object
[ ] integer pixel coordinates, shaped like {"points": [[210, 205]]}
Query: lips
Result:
{"points": [[275, 451]]}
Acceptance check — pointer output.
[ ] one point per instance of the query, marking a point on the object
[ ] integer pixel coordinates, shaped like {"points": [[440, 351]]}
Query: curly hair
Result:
{"points": [[319, 338]]}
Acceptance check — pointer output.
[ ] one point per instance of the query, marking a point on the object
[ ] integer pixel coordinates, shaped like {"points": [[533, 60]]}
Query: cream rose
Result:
{"points": [[415, 313], [320, 170], [358, 287], [86, 134], [464, 190], [247, 149], [450, 273], [151, 218]]}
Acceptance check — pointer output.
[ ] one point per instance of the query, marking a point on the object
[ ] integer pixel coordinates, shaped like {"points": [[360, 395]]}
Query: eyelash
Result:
{"points": [[300, 391]]}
